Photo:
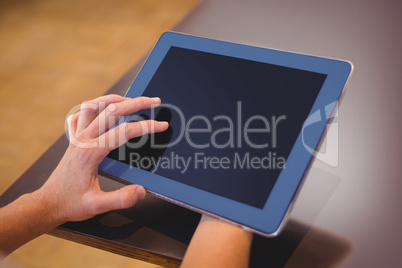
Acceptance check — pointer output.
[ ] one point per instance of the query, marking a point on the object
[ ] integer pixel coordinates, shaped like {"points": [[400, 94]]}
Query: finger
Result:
{"points": [[90, 109], [74, 121], [72, 125], [123, 198], [115, 111], [116, 137]]}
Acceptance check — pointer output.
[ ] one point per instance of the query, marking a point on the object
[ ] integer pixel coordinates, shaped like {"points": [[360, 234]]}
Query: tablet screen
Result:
{"points": [[233, 123]]}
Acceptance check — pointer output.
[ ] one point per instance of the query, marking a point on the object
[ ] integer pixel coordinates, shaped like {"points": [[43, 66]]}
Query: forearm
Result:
{"points": [[218, 244], [23, 220]]}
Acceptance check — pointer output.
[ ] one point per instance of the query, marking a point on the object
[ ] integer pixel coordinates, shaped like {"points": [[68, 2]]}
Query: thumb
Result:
{"points": [[122, 198]]}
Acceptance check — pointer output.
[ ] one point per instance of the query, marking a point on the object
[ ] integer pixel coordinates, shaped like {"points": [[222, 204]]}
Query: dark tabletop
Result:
{"points": [[346, 215]]}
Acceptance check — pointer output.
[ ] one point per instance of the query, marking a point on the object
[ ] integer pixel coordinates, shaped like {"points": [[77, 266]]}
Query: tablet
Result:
{"points": [[244, 125]]}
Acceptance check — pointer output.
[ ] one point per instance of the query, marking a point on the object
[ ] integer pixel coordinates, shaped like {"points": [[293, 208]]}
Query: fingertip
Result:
{"points": [[140, 193], [164, 123], [69, 120], [160, 126], [156, 99]]}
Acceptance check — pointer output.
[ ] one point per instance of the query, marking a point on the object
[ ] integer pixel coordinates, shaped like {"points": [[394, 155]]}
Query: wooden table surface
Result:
{"points": [[53, 56], [345, 215]]}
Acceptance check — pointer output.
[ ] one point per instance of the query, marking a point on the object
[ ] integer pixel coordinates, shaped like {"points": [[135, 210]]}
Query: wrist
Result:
{"points": [[25, 219], [44, 205], [217, 243], [217, 224]]}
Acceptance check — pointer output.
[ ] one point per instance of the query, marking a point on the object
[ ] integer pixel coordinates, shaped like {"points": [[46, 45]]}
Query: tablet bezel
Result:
{"points": [[266, 221]]}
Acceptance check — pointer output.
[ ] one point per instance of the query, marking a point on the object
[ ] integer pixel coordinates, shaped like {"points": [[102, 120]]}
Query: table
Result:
{"points": [[346, 215]]}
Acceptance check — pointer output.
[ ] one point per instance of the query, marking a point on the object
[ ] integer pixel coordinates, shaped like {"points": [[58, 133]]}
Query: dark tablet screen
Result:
{"points": [[233, 123]]}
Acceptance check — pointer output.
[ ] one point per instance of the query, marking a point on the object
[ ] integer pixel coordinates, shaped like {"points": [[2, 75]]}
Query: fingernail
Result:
{"points": [[164, 122], [141, 193], [156, 98]]}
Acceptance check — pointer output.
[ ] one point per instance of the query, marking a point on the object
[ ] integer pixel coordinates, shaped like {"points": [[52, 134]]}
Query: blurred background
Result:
{"points": [[55, 54]]}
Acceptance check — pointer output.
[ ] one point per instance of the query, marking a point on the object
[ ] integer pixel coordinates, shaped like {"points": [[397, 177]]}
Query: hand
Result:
{"points": [[72, 192]]}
